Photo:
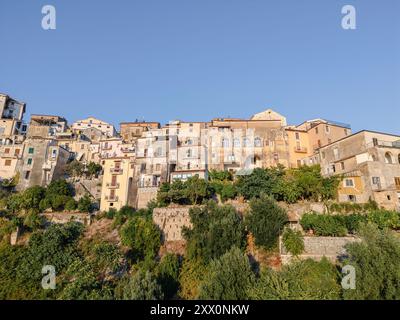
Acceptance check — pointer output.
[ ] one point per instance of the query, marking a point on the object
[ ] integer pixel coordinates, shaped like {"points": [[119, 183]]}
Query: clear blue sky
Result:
{"points": [[198, 59]]}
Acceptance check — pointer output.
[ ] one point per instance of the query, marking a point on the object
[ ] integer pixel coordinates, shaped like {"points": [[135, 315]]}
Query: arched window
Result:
{"points": [[245, 142], [225, 143], [257, 142], [236, 142], [388, 158]]}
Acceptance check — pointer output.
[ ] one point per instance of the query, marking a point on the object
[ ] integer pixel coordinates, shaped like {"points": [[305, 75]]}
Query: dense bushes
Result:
{"points": [[58, 196], [301, 280], [228, 277], [293, 241], [215, 230], [340, 225], [290, 185], [377, 264], [265, 221]]}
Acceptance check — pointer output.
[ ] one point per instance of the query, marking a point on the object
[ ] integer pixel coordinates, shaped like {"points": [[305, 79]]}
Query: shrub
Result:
{"points": [[265, 221], [215, 229], [85, 204], [228, 278], [324, 225], [385, 219], [377, 263], [71, 204], [293, 241]]}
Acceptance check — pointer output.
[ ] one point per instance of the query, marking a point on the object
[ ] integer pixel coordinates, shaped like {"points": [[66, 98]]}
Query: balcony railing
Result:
{"points": [[116, 170], [111, 198], [112, 185], [300, 149], [387, 144]]}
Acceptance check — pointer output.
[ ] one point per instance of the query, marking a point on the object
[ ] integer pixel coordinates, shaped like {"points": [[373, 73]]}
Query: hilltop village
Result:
{"points": [[138, 158]]}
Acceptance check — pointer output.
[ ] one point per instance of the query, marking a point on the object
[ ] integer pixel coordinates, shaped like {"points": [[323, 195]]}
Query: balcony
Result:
{"points": [[111, 198], [112, 185], [300, 149], [385, 144], [116, 170]]}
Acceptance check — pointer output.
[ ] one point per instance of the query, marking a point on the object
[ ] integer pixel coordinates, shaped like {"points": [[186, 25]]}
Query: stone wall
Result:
{"points": [[64, 217], [171, 220], [145, 195], [318, 247]]}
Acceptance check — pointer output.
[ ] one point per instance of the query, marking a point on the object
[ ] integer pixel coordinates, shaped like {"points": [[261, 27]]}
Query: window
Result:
{"points": [[336, 153], [327, 129], [82, 146], [376, 180], [7, 163], [7, 150], [54, 153], [158, 167], [297, 136], [245, 142], [225, 143], [349, 183], [397, 182], [398, 158], [375, 141], [342, 165], [236, 143], [345, 132], [388, 158], [16, 152], [333, 168], [316, 130], [231, 158], [389, 197], [352, 198], [319, 143], [188, 165], [257, 142], [189, 153], [29, 162], [27, 174], [298, 146], [31, 150]]}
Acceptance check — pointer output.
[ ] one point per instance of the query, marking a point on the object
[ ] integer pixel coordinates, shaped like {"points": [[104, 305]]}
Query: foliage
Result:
{"points": [[290, 185], [75, 168], [293, 241], [82, 283], [142, 286], [191, 275], [220, 175], [71, 204], [341, 224], [266, 221], [85, 204], [301, 280], [142, 236], [94, 169], [228, 278], [193, 191], [324, 225], [215, 229], [168, 275], [377, 264]]}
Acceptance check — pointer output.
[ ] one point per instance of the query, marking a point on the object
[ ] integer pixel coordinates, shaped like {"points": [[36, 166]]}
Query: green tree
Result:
{"points": [[228, 278], [259, 181], [293, 241], [168, 275], [142, 286], [94, 169], [266, 221], [377, 264], [85, 204], [142, 236], [215, 229], [192, 274]]}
